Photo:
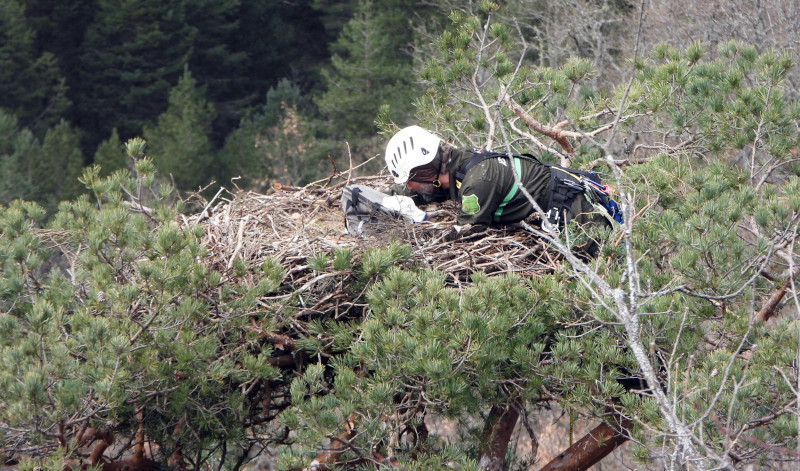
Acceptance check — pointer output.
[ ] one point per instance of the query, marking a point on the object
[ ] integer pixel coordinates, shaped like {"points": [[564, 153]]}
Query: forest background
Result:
{"points": [[134, 337], [274, 90]]}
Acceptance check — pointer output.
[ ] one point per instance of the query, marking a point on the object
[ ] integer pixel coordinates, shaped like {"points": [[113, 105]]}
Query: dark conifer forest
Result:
{"points": [[92, 74]]}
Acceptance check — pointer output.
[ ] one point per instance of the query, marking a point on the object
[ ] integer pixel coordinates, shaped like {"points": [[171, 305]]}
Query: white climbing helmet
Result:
{"points": [[411, 147]]}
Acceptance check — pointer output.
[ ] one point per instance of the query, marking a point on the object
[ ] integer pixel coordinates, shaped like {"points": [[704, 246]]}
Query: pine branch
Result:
{"points": [[553, 133]]}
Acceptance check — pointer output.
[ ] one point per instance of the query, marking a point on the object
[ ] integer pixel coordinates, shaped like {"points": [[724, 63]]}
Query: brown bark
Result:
{"points": [[769, 308], [106, 438], [175, 460], [496, 435], [339, 444], [553, 133], [283, 361], [138, 447], [590, 449], [131, 464]]}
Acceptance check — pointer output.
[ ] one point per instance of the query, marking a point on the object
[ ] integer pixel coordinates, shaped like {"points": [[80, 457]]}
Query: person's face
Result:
{"points": [[428, 192], [424, 174], [426, 182]]}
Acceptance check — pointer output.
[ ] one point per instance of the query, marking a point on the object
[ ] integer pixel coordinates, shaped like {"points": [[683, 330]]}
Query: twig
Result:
{"points": [[240, 240]]}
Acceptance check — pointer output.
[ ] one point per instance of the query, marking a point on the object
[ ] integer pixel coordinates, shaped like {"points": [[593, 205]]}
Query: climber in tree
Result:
{"points": [[483, 183]]}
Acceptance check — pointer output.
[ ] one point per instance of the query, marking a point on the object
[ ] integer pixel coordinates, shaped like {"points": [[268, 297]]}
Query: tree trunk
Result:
{"points": [[496, 435]]}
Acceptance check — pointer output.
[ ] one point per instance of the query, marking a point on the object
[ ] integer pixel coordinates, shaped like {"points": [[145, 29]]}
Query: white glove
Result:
{"points": [[405, 206]]}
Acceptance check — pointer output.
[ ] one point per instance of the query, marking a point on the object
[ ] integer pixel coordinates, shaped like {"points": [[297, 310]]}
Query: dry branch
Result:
{"points": [[769, 308]]}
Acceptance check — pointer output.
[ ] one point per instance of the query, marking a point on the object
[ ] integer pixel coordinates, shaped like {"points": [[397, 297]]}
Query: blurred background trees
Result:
{"points": [[106, 65]]}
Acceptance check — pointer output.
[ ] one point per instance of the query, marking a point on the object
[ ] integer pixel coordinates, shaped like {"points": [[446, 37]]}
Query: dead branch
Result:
{"points": [[769, 308]]}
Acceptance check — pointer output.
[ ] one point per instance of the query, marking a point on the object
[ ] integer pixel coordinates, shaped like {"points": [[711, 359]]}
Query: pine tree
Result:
{"points": [[59, 28], [370, 68], [218, 63], [132, 53], [61, 165], [19, 151], [676, 305], [31, 85], [137, 316], [179, 143], [77, 346], [682, 334], [277, 143], [282, 40], [335, 14], [44, 171], [110, 155]]}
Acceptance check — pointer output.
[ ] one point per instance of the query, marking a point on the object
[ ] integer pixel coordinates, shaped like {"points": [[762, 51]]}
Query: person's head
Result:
{"points": [[414, 158]]}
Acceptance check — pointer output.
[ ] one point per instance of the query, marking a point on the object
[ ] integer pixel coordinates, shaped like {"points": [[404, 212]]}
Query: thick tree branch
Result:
{"points": [[106, 438], [769, 308], [321, 462], [548, 131], [590, 449]]}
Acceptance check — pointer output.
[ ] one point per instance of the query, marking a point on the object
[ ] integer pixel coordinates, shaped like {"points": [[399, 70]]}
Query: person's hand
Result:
{"points": [[459, 232]]}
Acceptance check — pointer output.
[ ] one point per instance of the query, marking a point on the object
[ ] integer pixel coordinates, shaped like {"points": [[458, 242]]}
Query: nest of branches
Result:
{"points": [[293, 224]]}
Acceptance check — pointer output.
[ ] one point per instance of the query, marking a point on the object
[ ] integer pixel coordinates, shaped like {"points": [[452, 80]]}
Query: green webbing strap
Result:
{"points": [[511, 193]]}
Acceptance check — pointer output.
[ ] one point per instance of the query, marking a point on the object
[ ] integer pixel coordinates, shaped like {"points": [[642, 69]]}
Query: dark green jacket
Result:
{"points": [[488, 193]]}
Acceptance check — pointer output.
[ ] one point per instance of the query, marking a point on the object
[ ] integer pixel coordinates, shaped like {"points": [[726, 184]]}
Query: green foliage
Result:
{"points": [[476, 60], [428, 349], [135, 328], [369, 68], [131, 331], [282, 41], [278, 144], [31, 84], [179, 143], [219, 61], [46, 171], [132, 54], [110, 155], [19, 152], [709, 204], [62, 163]]}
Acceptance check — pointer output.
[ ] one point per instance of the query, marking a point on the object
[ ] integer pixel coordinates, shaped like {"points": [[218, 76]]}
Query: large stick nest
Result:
{"points": [[293, 224]]}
